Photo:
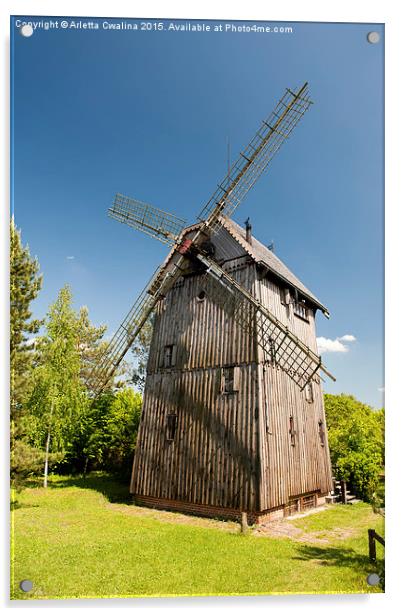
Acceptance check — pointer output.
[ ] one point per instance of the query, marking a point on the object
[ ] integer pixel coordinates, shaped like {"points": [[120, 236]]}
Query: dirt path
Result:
{"points": [[285, 529]]}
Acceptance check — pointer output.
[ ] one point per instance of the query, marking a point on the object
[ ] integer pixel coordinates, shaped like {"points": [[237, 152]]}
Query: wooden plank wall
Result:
{"points": [[214, 458], [202, 332], [289, 470], [230, 450]]}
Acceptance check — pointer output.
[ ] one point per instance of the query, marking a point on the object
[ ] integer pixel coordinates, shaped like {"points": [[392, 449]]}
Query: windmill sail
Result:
{"points": [[257, 155], [280, 345], [160, 283], [122, 340], [284, 347], [147, 218]]}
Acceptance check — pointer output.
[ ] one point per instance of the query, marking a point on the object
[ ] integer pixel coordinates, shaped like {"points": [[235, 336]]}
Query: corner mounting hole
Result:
{"points": [[26, 585], [373, 37], [373, 579], [26, 30]]}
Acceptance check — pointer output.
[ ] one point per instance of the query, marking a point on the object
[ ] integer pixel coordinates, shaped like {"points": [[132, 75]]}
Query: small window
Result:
{"points": [[272, 350], [201, 296], [285, 296], [169, 356], [321, 433], [230, 379], [309, 392], [308, 501], [301, 310], [292, 431], [171, 426]]}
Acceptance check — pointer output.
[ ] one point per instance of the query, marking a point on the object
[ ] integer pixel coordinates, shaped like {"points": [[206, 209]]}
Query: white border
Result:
{"points": [[291, 10]]}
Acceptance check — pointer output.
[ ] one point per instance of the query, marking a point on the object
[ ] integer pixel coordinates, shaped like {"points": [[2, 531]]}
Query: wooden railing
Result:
{"points": [[373, 537]]}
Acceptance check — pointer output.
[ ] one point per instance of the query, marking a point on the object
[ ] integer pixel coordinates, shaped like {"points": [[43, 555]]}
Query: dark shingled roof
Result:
{"points": [[261, 254]]}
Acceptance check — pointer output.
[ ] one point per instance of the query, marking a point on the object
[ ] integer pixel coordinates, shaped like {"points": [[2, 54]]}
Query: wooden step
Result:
{"points": [[332, 498], [352, 499]]}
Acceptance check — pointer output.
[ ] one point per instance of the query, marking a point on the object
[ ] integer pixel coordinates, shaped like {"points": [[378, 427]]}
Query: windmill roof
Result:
{"points": [[261, 254]]}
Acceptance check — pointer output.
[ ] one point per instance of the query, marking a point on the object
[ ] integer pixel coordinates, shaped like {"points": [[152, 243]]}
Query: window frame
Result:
{"points": [[292, 431], [233, 380], [301, 310], [309, 397], [170, 352], [285, 296], [171, 426], [322, 432], [272, 351]]}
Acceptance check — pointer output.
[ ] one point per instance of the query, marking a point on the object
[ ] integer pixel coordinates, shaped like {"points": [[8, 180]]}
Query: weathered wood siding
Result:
{"points": [[230, 450], [201, 331], [288, 470], [214, 457]]}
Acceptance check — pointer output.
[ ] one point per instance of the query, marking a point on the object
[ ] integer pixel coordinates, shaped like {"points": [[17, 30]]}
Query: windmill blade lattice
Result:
{"points": [[122, 340], [257, 155], [289, 352], [129, 329], [147, 218], [281, 346]]}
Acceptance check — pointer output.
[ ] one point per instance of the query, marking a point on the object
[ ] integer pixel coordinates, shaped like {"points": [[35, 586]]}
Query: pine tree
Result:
{"points": [[25, 284]]}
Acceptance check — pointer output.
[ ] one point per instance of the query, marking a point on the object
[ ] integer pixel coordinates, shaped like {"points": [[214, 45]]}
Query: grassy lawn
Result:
{"points": [[82, 538]]}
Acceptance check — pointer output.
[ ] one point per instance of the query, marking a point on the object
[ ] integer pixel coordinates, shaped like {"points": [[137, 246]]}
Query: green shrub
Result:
{"points": [[356, 441]]}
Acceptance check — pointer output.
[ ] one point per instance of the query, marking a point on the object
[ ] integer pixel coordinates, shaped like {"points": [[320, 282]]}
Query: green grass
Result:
{"points": [[82, 538]]}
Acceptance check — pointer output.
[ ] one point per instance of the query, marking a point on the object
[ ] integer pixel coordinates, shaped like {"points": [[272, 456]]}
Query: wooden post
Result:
{"points": [[244, 522], [372, 544], [343, 492]]}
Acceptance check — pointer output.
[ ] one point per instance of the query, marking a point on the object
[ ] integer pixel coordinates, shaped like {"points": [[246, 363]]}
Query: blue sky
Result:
{"points": [[148, 114]]}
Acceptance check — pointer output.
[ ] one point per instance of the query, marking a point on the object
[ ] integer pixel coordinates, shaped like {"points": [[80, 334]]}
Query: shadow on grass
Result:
{"points": [[337, 557], [113, 488], [17, 505]]}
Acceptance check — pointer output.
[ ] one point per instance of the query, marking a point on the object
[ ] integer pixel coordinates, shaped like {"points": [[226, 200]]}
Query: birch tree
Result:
{"points": [[57, 400]]}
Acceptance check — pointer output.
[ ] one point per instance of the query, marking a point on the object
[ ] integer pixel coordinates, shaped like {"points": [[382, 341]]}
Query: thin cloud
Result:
{"points": [[381, 389], [327, 345], [70, 258], [347, 338]]}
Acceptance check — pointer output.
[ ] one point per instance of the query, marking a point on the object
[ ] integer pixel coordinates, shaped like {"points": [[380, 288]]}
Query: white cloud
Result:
{"points": [[348, 338], [70, 258], [381, 389], [326, 345]]}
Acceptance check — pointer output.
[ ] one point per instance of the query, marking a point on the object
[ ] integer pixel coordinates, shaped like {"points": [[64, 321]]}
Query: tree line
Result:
{"points": [[54, 421], [56, 424], [356, 442]]}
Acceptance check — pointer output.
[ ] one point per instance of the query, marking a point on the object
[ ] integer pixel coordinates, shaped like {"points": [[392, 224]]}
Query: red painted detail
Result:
{"points": [[184, 246]]}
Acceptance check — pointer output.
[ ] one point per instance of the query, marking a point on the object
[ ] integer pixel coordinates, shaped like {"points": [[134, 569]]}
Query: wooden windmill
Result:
{"points": [[233, 418]]}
